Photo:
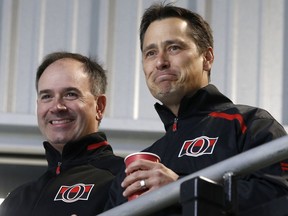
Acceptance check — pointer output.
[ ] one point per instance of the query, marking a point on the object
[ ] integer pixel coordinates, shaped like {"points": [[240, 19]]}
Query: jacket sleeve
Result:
{"points": [[3, 207], [268, 183], [115, 193], [11, 202]]}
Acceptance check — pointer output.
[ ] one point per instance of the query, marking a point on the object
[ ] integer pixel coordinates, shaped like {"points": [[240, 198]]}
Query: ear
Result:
{"points": [[100, 108], [208, 59]]}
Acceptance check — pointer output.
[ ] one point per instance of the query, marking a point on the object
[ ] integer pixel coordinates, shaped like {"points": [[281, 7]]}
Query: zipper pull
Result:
{"points": [[174, 128], [58, 168]]}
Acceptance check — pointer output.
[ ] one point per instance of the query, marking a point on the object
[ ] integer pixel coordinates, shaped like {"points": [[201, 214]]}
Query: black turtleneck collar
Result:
{"points": [[205, 100], [76, 150]]}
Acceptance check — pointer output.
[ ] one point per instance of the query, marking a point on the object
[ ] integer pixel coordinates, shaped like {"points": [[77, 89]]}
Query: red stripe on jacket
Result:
{"points": [[96, 145], [284, 166], [231, 117]]}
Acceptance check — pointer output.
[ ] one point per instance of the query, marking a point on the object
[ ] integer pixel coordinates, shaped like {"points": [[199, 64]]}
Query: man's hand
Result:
{"points": [[154, 174]]}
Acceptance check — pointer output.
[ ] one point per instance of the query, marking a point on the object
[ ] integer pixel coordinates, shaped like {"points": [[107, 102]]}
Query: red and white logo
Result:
{"points": [[74, 193], [198, 146]]}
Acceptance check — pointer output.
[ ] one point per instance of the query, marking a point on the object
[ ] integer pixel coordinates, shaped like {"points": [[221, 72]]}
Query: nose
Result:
{"points": [[162, 61], [59, 107]]}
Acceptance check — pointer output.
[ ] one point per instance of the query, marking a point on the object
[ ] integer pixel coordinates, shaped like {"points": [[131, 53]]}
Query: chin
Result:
{"points": [[59, 141]]}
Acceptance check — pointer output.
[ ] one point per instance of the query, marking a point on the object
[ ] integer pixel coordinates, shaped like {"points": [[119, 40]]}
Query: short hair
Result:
{"points": [[200, 31], [97, 75]]}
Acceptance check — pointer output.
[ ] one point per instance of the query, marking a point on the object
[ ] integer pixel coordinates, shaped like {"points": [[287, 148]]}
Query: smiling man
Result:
{"points": [[67, 109], [81, 165]]}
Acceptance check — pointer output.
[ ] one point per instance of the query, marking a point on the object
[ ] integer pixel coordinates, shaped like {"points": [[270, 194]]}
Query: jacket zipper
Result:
{"points": [[58, 168], [175, 124]]}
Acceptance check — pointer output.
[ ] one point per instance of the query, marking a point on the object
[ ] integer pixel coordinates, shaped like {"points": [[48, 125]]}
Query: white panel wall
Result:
{"points": [[249, 41], [249, 64]]}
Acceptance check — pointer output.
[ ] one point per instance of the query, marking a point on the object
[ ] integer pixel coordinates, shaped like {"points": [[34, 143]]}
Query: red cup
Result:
{"points": [[136, 156]]}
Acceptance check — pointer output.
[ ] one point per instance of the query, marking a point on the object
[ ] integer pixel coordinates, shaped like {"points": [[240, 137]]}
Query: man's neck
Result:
{"points": [[174, 108]]}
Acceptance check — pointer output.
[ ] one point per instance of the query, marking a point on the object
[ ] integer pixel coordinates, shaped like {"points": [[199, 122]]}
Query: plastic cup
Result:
{"points": [[141, 155], [136, 156]]}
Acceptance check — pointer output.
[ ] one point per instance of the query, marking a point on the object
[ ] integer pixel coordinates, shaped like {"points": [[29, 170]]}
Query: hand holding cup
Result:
{"points": [[136, 156]]}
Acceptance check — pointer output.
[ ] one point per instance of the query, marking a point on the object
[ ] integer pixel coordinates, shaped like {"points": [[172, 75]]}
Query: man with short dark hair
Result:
{"points": [[81, 165], [203, 127]]}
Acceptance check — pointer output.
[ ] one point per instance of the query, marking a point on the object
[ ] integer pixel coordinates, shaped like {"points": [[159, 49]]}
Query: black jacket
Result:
{"points": [[210, 128], [75, 182]]}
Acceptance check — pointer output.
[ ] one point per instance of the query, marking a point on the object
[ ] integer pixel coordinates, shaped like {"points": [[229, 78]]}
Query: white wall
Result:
{"points": [[250, 61]]}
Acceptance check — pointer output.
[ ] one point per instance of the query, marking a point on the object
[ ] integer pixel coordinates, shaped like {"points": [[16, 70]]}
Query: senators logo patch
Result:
{"points": [[198, 146], [74, 193]]}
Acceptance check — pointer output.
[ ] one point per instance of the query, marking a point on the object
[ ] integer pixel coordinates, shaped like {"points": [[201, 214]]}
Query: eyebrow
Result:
{"points": [[45, 91], [165, 43], [150, 46]]}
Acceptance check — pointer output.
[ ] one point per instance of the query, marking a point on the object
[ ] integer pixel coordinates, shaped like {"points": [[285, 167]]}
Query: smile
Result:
{"points": [[62, 121]]}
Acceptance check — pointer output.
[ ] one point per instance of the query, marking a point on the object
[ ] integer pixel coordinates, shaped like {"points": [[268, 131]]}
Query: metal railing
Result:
{"points": [[246, 162]]}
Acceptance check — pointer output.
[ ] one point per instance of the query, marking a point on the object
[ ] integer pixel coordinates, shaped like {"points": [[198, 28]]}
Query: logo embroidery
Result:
{"points": [[74, 193], [198, 146]]}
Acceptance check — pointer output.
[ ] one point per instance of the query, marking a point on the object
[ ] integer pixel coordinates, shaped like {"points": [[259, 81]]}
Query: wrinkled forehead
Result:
{"points": [[63, 73], [167, 29]]}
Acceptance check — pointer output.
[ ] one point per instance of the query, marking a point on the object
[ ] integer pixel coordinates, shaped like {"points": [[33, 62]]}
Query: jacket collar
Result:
{"points": [[205, 100], [78, 150]]}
